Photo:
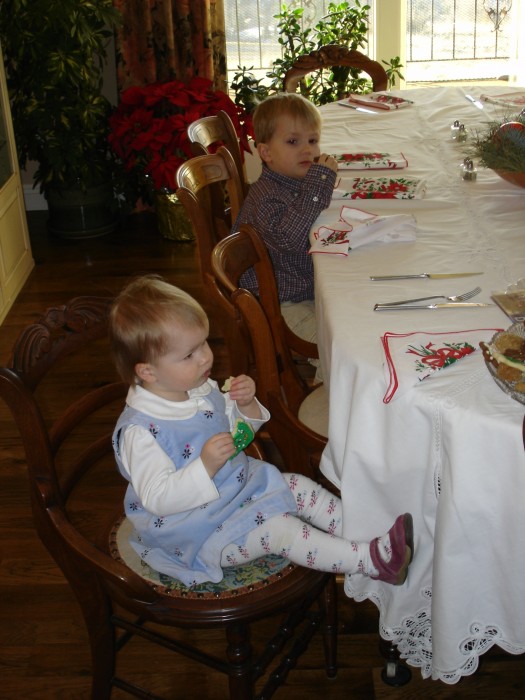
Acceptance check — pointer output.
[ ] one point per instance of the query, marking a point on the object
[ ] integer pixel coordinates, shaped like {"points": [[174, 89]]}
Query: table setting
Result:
{"points": [[417, 421], [355, 227], [370, 161]]}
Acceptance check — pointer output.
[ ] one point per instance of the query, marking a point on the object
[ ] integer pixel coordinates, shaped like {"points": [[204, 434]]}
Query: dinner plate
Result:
{"points": [[509, 387]]}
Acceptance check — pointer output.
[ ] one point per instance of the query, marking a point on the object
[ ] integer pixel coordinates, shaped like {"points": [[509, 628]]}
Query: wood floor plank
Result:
{"points": [[44, 653]]}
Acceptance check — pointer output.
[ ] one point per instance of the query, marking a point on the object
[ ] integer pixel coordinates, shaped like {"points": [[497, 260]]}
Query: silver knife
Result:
{"points": [[424, 275], [452, 304], [358, 109], [478, 104]]}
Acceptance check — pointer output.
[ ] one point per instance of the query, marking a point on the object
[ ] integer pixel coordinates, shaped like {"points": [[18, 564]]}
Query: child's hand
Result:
{"points": [[328, 161], [216, 452], [242, 390]]}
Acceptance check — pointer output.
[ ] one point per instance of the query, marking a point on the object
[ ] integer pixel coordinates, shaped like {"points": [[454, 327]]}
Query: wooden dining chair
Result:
{"points": [[299, 413], [299, 422], [77, 503], [216, 130], [202, 183], [340, 59]]}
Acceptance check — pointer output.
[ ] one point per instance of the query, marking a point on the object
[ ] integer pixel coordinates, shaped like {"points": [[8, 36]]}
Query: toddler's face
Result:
{"points": [[185, 366], [292, 149]]}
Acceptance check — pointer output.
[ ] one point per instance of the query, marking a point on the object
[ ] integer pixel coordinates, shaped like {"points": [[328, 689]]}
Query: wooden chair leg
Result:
{"points": [[239, 655], [97, 616], [328, 603]]}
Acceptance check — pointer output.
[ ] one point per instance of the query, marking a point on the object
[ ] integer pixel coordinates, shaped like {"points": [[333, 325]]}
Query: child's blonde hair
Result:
{"points": [[140, 320], [288, 104]]}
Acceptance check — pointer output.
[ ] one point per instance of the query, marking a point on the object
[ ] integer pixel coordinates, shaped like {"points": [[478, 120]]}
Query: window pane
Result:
{"points": [[251, 33], [451, 40]]}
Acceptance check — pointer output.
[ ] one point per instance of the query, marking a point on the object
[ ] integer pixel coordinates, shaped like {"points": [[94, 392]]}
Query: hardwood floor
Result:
{"points": [[43, 647]]}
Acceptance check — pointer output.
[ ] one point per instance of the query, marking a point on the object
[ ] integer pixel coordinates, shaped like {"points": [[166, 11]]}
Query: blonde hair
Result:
{"points": [[140, 320], [287, 104]]}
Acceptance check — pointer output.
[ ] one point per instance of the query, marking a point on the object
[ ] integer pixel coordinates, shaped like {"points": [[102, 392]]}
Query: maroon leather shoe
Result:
{"points": [[402, 550]]}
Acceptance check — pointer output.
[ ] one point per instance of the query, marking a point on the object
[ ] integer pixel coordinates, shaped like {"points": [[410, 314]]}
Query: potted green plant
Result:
{"points": [[54, 54], [344, 25]]}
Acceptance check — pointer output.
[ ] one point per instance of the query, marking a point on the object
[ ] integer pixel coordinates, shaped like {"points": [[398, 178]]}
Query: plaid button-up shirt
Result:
{"points": [[282, 210]]}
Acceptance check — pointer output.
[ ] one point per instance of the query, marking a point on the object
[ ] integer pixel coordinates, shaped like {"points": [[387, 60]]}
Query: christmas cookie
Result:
{"points": [[242, 434]]}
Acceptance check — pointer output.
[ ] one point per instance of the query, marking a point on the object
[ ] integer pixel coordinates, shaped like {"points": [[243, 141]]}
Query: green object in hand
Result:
{"points": [[242, 434]]}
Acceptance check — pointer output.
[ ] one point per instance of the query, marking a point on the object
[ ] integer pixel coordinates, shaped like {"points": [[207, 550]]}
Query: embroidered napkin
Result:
{"points": [[357, 227], [378, 100], [370, 161], [381, 188], [413, 357], [506, 99]]}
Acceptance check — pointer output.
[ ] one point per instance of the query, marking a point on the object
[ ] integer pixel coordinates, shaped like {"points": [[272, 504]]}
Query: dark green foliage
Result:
{"points": [[504, 150], [54, 53]]}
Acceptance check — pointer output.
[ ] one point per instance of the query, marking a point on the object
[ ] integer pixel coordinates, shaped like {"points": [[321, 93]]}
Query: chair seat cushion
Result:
{"points": [[314, 411], [238, 580]]}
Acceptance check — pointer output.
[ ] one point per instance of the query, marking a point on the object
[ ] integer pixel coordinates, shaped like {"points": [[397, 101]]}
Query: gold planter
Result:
{"points": [[172, 220]]}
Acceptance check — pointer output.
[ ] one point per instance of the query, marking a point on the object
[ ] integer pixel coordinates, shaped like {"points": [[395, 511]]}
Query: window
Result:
{"points": [[445, 39], [251, 34], [452, 40]]}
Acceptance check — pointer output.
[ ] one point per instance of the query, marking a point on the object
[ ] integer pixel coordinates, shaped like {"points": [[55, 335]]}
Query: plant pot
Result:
{"points": [[515, 178], [172, 221], [77, 213]]}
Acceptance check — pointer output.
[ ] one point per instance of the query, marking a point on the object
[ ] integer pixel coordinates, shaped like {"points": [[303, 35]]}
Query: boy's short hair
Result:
{"points": [[290, 104], [140, 320]]}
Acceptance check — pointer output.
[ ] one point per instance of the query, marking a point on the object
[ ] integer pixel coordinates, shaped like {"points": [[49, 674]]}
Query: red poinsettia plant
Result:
{"points": [[148, 130]]}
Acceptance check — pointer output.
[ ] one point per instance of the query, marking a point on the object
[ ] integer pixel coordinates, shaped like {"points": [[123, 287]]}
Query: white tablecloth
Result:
{"points": [[450, 449]]}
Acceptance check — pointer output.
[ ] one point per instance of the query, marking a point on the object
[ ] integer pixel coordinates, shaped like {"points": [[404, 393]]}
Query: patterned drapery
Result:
{"points": [[162, 40]]}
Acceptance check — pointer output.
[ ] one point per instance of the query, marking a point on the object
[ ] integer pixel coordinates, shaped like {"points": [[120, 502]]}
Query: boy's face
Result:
{"points": [[292, 148], [186, 365]]}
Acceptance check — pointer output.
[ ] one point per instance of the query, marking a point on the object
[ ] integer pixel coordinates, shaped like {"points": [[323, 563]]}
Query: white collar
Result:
{"points": [[144, 401]]}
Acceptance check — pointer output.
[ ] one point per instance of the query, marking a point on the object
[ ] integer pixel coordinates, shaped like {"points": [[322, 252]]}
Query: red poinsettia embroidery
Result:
{"points": [[358, 157], [389, 99], [334, 237], [383, 188], [437, 358]]}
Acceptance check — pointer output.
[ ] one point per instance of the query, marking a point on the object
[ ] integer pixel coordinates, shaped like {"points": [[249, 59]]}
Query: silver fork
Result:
{"points": [[457, 297]]}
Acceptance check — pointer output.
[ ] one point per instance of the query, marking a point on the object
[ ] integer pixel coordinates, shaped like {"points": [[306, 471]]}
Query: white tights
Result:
{"points": [[319, 547]]}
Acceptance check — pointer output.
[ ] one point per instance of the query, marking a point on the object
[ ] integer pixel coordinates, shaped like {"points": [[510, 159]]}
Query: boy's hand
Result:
{"points": [[216, 451], [328, 161]]}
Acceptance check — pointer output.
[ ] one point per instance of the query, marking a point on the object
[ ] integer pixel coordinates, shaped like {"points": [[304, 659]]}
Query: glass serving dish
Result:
{"points": [[512, 388]]}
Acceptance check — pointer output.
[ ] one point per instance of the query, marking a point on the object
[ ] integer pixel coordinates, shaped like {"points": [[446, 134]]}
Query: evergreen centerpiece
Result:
{"points": [[148, 131], [502, 148]]}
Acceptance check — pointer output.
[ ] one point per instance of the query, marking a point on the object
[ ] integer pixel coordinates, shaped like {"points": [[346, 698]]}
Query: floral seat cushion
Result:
{"points": [[243, 578]]}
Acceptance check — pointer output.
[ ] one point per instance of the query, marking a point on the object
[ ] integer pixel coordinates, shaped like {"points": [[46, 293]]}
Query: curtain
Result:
{"points": [[162, 40]]}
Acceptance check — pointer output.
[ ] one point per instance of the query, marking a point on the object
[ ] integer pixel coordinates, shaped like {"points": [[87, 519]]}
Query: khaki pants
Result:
{"points": [[300, 318]]}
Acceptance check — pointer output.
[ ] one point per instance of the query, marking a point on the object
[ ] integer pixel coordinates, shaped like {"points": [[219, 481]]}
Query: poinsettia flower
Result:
{"points": [[163, 171], [149, 128]]}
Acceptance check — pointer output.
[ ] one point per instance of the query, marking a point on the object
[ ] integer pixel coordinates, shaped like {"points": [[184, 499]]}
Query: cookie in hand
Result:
{"points": [[227, 384], [242, 434]]}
